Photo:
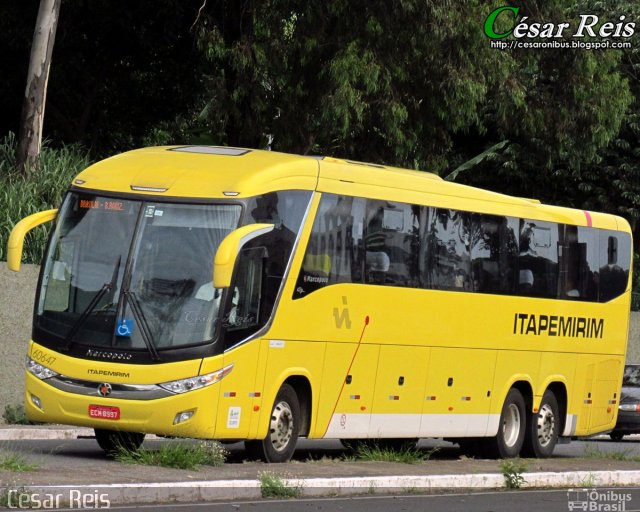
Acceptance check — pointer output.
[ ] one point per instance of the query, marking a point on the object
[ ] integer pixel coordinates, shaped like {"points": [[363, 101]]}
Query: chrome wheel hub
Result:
{"points": [[281, 426], [511, 425], [546, 425]]}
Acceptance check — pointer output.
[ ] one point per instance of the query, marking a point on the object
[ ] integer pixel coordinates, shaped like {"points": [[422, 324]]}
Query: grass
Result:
{"points": [[374, 452], [15, 415], [275, 485], [512, 470], [15, 498], [10, 461], [178, 455], [592, 451], [41, 189]]}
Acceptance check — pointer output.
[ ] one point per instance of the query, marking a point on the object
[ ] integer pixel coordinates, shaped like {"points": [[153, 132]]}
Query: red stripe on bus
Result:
{"points": [[588, 216]]}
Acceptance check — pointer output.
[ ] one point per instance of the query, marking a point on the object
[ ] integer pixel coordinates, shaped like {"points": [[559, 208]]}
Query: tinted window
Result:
{"points": [[392, 244], [448, 265], [631, 376], [579, 264], [334, 252], [356, 240], [494, 254], [262, 262], [538, 258], [614, 249]]}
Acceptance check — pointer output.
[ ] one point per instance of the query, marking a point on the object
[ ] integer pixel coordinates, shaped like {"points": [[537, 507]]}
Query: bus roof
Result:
{"points": [[218, 172]]}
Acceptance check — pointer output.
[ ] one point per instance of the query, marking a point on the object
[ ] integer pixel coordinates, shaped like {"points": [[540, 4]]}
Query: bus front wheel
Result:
{"points": [[511, 431], [542, 428], [112, 441], [284, 428]]}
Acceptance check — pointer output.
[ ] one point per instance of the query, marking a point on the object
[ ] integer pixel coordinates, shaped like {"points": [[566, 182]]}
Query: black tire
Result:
{"points": [[511, 432], [112, 440], [284, 428], [616, 436], [542, 428]]}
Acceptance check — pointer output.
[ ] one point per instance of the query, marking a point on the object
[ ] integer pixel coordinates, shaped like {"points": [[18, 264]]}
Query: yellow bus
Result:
{"points": [[235, 294]]}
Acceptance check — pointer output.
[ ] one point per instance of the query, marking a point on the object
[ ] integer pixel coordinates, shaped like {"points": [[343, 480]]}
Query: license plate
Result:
{"points": [[104, 412]]}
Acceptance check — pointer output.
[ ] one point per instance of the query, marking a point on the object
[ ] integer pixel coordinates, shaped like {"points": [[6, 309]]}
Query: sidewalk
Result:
{"points": [[70, 464]]}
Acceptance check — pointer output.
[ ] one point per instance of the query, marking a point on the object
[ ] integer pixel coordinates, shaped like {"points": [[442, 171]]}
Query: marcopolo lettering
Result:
{"points": [[558, 325]]}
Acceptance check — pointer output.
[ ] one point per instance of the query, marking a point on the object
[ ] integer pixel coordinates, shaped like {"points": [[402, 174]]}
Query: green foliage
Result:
{"points": [[404, 454], [37, 191], [15, 415], [274, 485], [11, 460], [176, 455], [512, 470], [392, 84], [15, 498], [593, 451]]}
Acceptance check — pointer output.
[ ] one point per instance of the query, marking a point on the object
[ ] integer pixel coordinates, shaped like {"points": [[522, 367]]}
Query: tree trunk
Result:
{"points": [[32, 118]]}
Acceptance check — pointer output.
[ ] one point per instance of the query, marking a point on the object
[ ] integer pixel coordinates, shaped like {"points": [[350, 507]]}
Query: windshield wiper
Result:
{"points": [[145, 332], [68, 340]]}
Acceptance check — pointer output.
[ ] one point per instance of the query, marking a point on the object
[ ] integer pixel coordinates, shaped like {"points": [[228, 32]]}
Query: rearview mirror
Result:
{"points": [[230, 247], [19, 231]]}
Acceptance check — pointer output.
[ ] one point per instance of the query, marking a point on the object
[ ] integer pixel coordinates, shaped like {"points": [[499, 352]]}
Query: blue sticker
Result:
{"points": [[125, 327]]}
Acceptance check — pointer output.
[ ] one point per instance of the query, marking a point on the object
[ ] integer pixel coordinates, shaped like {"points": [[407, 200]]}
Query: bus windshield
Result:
{"points": [[129, 274]]}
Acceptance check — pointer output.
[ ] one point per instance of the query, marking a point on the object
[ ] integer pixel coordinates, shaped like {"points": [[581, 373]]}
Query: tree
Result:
{"points": [[391, 83], [32, 118]]}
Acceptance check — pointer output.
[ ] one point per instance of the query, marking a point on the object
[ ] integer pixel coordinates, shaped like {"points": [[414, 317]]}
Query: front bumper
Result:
{"points": [[155, 416]]}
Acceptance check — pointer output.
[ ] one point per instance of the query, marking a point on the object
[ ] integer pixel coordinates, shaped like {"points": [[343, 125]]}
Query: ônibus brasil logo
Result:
{"points": [[506, 21]]}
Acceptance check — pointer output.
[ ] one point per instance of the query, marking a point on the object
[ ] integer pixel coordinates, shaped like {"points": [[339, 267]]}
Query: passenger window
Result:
{"points": [[448, 265], [392, 244], [538, 258], [494, 254], [615, 248], [334, 251], [579, 264]]}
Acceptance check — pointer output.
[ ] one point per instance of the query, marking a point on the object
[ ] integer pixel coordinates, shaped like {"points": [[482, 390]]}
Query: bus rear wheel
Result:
{"points": [[111, 441], [284, 428], [542, 428], [511, 432]]}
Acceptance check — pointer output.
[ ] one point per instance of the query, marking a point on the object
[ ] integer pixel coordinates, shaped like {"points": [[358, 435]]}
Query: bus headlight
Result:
{"points": [[200, 381], [40, 371]]}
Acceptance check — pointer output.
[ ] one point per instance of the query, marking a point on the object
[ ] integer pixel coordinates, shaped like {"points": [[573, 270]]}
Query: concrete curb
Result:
{"points": [[185, 492], [30, 433]]}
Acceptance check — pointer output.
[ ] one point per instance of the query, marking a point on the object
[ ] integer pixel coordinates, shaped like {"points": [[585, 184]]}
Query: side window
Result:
{"points": [[334, 252], [392, 244], [538, 258], [263, 262], [579, 264], [246, 296], [494, 254], [614, 259], [447, 252]]}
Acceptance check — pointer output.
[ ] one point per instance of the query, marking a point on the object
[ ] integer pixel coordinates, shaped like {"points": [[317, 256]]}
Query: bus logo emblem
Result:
{"points": [[104, 389], [342, 317]]}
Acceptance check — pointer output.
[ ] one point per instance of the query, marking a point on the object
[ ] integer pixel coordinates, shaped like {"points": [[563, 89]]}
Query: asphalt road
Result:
{"points": [[626, 499]]}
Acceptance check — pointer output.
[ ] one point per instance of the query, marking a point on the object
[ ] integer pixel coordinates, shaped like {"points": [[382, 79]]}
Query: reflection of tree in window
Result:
{"points": [[449, 262], [538, 259], [494, 251]]}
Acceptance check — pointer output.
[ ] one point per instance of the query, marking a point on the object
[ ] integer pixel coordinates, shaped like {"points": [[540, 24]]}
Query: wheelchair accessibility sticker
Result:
{"points": [[125, 327]]}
